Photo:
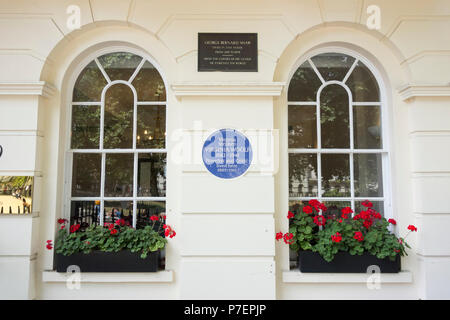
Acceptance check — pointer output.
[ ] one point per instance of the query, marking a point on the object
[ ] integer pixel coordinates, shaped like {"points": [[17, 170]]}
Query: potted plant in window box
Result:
{"points": [[114, 247], [342, 244]]}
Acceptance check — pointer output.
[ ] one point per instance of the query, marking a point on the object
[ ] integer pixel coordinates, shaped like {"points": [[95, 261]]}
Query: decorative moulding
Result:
{"points": [[409, 91], [38, 88], [228, 89]]}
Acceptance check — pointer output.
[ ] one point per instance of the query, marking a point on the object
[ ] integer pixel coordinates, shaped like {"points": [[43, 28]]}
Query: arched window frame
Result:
{"points": [[69, 152], [385, 151]]}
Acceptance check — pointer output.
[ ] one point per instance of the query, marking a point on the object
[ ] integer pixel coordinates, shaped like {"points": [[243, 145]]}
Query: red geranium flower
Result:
{"points": [[288, 238], [279, 236], [74, 228], [367, 223], [320, 220], [358, 236], [392, 221], [290, 215], [120, 222], [346, 211], [49, 245], [322, 207], [169, 231], [114, 231], [62, 227], [367, 204], [336, 237], [307, 209], [412, 228], [314, 203], [61, 221], [154, 218]]}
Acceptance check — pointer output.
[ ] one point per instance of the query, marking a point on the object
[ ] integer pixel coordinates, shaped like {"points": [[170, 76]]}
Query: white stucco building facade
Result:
{"points": [[225, 246]]}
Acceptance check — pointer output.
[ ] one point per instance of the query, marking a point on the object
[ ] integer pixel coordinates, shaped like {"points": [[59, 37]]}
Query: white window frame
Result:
{"points": [[385, 153], [69, 152]]}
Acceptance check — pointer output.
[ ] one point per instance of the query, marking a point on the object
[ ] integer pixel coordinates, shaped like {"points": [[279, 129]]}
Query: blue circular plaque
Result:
{"points": [[227, 153]]}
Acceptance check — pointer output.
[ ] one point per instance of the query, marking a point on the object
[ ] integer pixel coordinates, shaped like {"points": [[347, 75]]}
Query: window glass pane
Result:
{"points": [[115, 210], [335, 175], [368, 175], [152, 175], [304, 84], [363, 84], [303, 175], [119, 175], [85, 213], [89, 84], [334, 117], [119, 104], [151, 127], [333, 66], [367, 127], [86, 173], [302, 127], [119, 65], [149, 84], [377, 206], [334, 208], [146, 209], [85, 127]]}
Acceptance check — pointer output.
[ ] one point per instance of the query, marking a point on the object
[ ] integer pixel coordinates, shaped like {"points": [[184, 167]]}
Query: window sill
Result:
{"points": [[295, 276], [111, 277]]}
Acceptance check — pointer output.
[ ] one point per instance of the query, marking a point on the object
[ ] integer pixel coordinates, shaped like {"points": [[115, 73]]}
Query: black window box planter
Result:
{"points": [[100, 261], [344, 262]]}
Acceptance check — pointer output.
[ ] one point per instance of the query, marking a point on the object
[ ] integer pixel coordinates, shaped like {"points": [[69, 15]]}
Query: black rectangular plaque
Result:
{"points": [[230, 52]]}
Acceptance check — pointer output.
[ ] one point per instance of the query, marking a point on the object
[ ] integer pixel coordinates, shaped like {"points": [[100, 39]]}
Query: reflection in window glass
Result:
{"points": [[149, 84], [334, 117], [119, 175], [16, 194], [119, 104], [333, 66], [151, 127], [363, 85], [367, 127], [303, 175], [304, 84], [89, 84], [86, 173], [152, 175], [334, 208], [368, 175], [85, 127], [119, 65], [302, 127], [335, 175], [146, 209], [115, 210], [85, 213]]}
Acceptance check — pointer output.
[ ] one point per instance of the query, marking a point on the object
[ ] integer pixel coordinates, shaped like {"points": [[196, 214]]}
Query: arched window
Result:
{"points": [[118, 141], [337, 151]]}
